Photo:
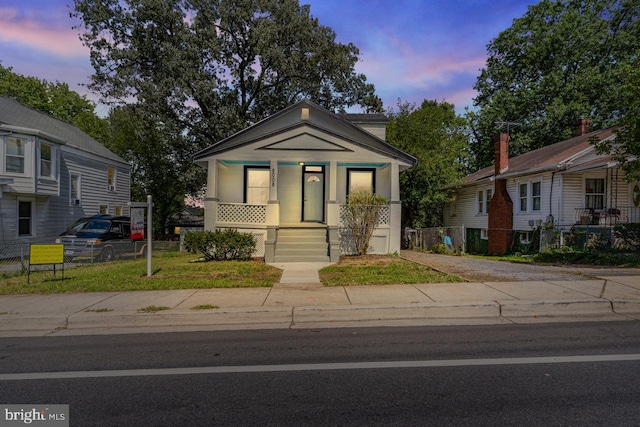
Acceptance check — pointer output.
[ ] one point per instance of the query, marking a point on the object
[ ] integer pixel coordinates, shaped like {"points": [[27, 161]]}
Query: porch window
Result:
{"points": [[15, 155], [361, 180], [594, 193], [256, 191], [46, 160], [25, 219]]}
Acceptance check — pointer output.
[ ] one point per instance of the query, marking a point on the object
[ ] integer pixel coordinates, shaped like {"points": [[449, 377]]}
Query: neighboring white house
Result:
{"points": [[286, 178], [52, 173], [566, 184]]}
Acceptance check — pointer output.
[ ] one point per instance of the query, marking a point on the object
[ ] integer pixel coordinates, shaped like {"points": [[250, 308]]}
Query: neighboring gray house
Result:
{"points": [[52, 173], [286, 179]]}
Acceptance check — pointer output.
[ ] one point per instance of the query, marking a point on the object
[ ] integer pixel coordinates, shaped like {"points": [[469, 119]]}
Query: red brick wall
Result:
{"points": [[500, 220]]}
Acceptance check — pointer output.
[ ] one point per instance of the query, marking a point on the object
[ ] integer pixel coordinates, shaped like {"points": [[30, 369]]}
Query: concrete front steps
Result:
{"points": [[302, 244]]}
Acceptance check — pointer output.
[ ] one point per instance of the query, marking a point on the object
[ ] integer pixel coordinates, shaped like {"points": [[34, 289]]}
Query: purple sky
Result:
{"points": [[409, 49]]}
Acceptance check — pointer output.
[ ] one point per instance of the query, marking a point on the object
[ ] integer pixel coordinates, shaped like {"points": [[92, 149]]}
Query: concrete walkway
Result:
{"points": [[300, 301]]}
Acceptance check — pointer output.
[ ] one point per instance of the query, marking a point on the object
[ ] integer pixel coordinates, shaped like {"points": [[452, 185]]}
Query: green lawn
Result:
{"points": [[380, 270], [175, 270], [171, 270]]}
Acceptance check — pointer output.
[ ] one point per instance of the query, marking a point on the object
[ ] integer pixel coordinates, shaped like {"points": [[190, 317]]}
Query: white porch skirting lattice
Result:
{"points": [[384, 219], [240, 213]]}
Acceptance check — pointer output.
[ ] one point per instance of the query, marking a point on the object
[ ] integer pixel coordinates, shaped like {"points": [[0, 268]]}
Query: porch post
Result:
{"points": [[211, 199], [273, 213], [395, 211], [333, 213]]}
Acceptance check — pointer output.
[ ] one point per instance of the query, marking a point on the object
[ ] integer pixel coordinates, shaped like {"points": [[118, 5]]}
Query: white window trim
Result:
{"points": [[529, 199], [246, 189], [584, 190], [484, 193], [54, 160], [28, 155]]}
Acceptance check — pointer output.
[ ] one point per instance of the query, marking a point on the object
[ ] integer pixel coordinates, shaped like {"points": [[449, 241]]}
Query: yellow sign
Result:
{"points": [[46, 254]]}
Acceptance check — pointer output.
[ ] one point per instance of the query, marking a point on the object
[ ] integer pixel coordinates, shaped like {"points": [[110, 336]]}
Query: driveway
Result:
{"points": [[485, 270]]}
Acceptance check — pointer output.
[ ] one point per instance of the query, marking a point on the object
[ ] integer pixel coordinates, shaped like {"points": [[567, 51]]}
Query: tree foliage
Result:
{"points": [[192, 72], [435, 135], [561, 61], [216, 65], [626, 146], [54, 99]]}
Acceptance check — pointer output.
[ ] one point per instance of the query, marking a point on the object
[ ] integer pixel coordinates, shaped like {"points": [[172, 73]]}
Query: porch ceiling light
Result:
{"points": [[301, 163]]}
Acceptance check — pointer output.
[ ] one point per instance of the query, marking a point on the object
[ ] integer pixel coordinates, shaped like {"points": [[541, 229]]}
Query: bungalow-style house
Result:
{"points": [[566, 184], [52, 173], [286, 179]]}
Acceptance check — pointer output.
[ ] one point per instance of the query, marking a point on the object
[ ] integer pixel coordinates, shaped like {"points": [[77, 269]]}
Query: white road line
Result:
{"points": [[320, 367]]}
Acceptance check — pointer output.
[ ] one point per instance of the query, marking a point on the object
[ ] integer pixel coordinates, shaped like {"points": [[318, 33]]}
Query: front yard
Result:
{"points": [[173, 270]]}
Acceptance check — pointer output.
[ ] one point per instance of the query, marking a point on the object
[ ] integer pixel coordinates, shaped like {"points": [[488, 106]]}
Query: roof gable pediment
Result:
{"points": [[305, 126], [305, 141]]}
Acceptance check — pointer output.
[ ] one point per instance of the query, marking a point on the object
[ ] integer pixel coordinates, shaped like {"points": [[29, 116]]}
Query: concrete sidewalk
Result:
{"points": [[300, 301]]}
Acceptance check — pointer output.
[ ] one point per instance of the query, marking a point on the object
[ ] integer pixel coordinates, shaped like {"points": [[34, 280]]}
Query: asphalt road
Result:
{"points": [[487, 270], [545, 374]]}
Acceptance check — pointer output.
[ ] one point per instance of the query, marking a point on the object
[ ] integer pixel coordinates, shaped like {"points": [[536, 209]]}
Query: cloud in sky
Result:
{"points": [[409, 49]]}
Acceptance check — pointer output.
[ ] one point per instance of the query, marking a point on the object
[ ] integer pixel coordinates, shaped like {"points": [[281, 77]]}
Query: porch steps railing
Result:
{"points": [[300, 244]]}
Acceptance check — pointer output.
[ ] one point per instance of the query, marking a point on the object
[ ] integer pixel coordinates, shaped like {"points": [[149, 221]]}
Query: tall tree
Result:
{"points": [[205, 69], [55, 99], [626, 146], [435, 135], [561, 61], [147, 145]]}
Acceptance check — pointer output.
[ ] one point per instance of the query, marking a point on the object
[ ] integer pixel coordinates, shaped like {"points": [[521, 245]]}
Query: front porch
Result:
{"points": [[607, 217], [300, 241]]}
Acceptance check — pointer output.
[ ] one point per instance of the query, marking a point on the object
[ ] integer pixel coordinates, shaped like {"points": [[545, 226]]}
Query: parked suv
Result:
{"points": [[101, 237]]}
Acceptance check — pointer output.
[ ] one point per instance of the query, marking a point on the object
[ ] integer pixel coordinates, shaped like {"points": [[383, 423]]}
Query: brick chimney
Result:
{"points": [[583, 127], [501, 206], [501, 147]]}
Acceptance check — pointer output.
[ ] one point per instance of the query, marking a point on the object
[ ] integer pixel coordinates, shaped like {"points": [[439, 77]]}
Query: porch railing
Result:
{"points": [[241, 213], [383, 220], [607, 216]]}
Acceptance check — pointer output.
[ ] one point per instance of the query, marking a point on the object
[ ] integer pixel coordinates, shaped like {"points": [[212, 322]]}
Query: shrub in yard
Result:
{"points": [[361, 215], [629, 234], [228, 244], [440, 248]]}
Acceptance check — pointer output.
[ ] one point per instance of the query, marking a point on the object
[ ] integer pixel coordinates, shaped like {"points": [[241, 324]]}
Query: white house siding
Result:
{"points": [[93, 185], [525, 221], [290, 192], [466, 212]]}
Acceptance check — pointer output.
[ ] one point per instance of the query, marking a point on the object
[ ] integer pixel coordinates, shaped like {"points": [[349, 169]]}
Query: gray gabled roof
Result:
{"points": [[17, 117], [343, 122]]}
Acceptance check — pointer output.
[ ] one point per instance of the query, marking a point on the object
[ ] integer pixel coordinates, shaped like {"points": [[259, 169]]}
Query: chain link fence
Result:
{"points": [[14, 259]]}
